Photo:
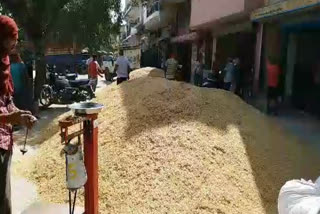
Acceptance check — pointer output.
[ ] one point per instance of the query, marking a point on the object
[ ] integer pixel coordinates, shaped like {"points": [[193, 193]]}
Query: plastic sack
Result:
{"points": [[299, 197], [76, 173]]}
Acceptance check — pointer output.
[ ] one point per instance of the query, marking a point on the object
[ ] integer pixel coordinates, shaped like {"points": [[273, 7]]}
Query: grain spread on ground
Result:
{"points": [[170, 147]]}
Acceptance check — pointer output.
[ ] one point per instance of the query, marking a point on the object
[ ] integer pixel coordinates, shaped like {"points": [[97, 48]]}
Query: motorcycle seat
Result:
{"points": [[71, 76], [77, 83]]}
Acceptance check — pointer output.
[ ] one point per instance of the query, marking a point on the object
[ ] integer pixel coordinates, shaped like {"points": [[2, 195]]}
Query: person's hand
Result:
{"points": [[20, 117], [28, 120]]}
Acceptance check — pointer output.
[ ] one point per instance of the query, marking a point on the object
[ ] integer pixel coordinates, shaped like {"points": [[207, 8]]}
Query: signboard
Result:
{"points": [[133, 56], [282, 7], [59, 51], [185, 38]]}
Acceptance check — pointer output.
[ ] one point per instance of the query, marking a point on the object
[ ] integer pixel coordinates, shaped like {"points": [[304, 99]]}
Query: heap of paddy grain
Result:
{"points": [[170, 147]]}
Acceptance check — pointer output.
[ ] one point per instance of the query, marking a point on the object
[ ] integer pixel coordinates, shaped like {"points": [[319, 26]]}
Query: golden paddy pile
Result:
{"points": [[170, 147]]}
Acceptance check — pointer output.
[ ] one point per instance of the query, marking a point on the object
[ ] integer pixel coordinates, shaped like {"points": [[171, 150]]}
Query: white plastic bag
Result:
{"points": [[76, 170], [299, 197]]}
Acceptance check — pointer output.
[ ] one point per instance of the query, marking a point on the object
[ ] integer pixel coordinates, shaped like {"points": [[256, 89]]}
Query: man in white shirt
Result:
{"points": [[88, 61], [122, 68]]}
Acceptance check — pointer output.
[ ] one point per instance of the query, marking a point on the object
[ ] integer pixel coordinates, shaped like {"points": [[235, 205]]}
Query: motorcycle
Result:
{"points": [[69, 74], [66, 72], [60, 90], [212, 81]]}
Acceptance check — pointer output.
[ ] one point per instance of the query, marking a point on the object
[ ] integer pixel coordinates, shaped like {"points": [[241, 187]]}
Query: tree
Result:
{"points": [[3, 11], [89, 22], [94, 16]]}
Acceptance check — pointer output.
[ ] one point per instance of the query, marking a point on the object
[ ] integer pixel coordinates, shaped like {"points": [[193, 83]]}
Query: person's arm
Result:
{"points": [[116, 68], [100, 72], [18, 117], [88, 71]]}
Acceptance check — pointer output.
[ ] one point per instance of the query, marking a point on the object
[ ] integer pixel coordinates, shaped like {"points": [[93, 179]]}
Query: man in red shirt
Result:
{"points": [[274, 71], [94, 71], [9, 113]]}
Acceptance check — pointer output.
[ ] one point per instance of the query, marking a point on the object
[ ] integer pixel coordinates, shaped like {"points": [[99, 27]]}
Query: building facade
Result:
{"points": [[225, 30], [131, 31], [291, 40]]}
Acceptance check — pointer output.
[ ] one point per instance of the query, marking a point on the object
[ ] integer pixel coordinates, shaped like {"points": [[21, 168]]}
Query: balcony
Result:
{"points": [[132, 12], [207, 13], [152, 14], [155, 7], [158, 16]]}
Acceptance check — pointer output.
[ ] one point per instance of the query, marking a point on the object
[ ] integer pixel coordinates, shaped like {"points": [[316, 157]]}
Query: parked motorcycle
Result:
{"points": [[212, 81], [66, 72], [69, 74], [60, 90]]}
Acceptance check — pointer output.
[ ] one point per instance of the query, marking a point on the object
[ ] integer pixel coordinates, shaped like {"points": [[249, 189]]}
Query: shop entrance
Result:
{"points": [[184, 58], [306, 76], [241, 45]]}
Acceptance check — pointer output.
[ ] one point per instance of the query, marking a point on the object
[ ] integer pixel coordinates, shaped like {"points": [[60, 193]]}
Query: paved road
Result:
{"points": [[101, 81], [21, 186]]}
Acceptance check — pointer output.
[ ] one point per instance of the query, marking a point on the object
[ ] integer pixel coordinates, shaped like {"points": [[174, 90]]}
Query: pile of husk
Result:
{"points": [[170, 147]]}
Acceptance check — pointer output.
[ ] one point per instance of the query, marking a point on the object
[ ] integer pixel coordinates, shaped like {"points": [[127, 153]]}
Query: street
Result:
{"points": [[48, 121], [215, 100]]}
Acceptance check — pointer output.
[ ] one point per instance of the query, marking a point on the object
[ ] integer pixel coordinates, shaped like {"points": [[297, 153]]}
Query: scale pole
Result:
{"points": [[91, 162]]}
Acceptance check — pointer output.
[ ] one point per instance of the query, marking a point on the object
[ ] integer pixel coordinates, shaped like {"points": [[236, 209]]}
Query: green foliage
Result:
{"points": [[89, 22], [3, 11]]}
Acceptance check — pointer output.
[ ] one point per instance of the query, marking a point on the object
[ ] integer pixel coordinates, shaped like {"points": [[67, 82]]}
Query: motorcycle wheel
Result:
{"points": [[46, 97]]}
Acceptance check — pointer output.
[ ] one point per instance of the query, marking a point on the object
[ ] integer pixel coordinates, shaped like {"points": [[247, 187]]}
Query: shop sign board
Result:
{"points": [[133, 55], [282, 7]]}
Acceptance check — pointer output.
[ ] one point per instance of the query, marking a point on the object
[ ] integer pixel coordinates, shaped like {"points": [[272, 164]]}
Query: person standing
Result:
{"points": [[198, 71], [122, 68], [171, 67], [236, 76], [20, 82], [93, 72], [274, 72], [228, 74], [9, 114]]}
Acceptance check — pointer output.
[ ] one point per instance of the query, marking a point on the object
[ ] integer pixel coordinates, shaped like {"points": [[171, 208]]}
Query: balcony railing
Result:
{"points": [[154, 8]]}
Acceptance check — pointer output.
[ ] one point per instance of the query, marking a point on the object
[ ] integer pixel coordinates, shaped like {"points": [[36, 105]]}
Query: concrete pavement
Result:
{"points": [[25, 198]]}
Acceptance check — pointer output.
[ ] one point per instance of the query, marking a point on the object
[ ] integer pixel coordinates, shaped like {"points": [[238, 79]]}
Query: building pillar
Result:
{"points": [[291, 59], [257, 59], [194, 54], [214, 48]]}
